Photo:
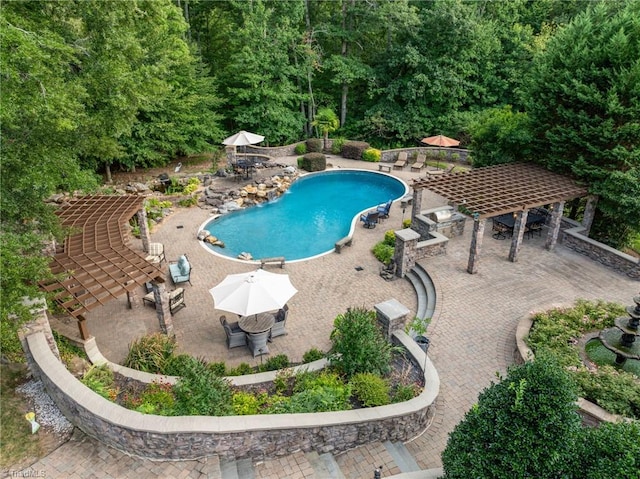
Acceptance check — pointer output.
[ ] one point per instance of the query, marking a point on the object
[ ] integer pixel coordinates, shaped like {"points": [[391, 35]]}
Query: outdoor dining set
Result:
{"points": [[259, 298], [503, 225]]}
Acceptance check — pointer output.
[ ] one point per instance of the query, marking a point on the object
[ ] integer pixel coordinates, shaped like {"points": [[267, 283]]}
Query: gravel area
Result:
{"points": [[47, 413]]}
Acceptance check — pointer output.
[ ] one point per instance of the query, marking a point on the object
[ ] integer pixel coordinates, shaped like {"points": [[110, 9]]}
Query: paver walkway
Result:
{"points": [[472, 337]]}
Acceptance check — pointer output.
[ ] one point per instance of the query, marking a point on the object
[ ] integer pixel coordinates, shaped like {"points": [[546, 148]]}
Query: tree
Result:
{"points": [[524, 426], [327, 121], [584, 109]]}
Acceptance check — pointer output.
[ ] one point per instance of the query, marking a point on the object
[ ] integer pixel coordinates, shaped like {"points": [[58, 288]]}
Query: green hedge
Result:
{"points": [[314, 162], [354, 149]]}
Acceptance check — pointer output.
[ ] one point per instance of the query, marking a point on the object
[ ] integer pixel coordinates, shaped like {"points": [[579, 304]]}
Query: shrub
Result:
{"points": [[406, 223], [404, 392], [192, 186], [354, 149], [524, 426], [371, 390], [150, 353], [371, 154], [300, 149], [336, 146], [383, 252], [188, 202], [284, 381], [279, 361], [313, 392], [390, 238], [100, 379], [314, 162], [312, 355], [218, 368], [358, 345], [175, 364], [299, 162], [245, 403], [200, 392], [158, 399], [314, 145], [240, 370]]}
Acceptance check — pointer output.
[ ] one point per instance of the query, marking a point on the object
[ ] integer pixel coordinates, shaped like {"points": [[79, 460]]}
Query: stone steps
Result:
{"points": [[393, 457]]}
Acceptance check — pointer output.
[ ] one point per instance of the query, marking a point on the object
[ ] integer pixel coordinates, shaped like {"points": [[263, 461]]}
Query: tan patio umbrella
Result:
{"points": [[440, 140]]}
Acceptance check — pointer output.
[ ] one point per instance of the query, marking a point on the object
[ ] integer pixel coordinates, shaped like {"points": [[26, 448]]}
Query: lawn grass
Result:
{"points": [[18, 447]]}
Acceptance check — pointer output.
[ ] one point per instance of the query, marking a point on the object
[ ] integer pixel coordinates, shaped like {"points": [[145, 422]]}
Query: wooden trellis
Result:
{"points": [[96, 264], [499, 189]]}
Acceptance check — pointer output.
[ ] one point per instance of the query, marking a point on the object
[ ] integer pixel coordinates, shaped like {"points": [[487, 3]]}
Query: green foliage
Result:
{"points": [[337, 145], [326, 121], [246, 403], [174, 364], [383, 252], [372, 155], [370, 389], [188, 202], [240, 370], [314, 162], [358, 345], [404, 392], [314, 145], [201, 392], [311, 355], [584, 109], [524, 426], [354, 149], [300, 149], [406, 223], [313, 392], [68, 351], [607, 451], [100, 379], [390, 238], [218, 368], [557, 330], [150, 353], [418, 325], [157, 398], [279, 361]]}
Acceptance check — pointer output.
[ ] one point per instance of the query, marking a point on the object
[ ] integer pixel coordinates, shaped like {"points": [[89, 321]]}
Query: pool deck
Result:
{"points": [[472, 335]]}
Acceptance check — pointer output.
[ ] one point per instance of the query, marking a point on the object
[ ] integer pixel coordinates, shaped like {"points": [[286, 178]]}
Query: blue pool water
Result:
{"points": [[308, 219]]}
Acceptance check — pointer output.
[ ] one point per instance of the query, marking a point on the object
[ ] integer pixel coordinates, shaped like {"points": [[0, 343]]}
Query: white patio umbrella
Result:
{"points": [[243, 138], [252, 293]]}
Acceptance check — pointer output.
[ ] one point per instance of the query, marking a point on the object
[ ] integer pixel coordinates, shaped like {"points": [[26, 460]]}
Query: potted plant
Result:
{"points": [[417, 328]]}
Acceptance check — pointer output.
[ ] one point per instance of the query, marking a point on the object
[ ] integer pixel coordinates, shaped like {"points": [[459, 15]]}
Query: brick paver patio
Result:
{"points": [[472, 337]]}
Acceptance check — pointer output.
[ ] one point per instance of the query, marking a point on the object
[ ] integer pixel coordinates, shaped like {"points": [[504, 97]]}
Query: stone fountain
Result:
{"points": [[621, 340]]}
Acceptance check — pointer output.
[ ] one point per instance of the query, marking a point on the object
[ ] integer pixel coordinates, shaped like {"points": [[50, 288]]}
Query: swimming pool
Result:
{"points": [[306, 221]]}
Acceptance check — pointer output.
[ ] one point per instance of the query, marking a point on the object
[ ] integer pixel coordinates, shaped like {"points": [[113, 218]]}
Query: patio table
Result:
{"points": [[257, 323], [505, 224]]}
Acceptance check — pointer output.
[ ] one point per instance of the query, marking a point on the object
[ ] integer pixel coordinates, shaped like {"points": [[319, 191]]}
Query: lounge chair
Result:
{"points": [[370, 220], [419, 163], [180, 270], [257, 343], [439, 172], [401, 162], [156, 253], [235, 336], [281, 320], [384, 209]]}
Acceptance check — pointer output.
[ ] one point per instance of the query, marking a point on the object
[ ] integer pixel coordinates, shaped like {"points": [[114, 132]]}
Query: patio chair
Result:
{"points": [[401, 162], [257, 343], [419, 163], [180, 270], [156, 253], [235, 336], [383, 210], [281, 320], [176, 300], [370, 220]]}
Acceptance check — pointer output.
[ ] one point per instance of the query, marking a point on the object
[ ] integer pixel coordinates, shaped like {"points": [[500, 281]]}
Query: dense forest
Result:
{"points": [[92, 85]]}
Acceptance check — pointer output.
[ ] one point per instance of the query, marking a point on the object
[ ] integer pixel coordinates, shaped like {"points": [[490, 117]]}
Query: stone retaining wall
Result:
{"points": [[233, 437], [573, 238], [390, 156]]}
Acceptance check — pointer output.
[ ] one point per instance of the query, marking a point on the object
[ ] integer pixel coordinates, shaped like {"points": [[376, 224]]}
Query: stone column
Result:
{"points": [[145, 236], [518, 235], [417, 202], [405, 251], [133, 298], [39, 322], [163, 311], [476, 245], [554, 225], [391, 316], [589, 213]]}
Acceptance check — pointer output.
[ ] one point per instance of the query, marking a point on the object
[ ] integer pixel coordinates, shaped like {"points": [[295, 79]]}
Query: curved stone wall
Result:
{"points": [[256, 437]]}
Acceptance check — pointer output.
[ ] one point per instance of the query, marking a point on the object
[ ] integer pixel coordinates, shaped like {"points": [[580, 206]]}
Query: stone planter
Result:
{"points": [[423, 342]]}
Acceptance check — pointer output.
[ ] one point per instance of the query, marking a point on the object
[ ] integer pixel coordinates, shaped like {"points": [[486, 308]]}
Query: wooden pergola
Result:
{"points": [[500, 189], [96, 264]]}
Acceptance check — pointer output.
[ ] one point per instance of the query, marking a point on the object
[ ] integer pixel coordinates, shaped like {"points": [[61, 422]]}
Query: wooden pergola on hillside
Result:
{"points": [[96, 264], [500, 189]]}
